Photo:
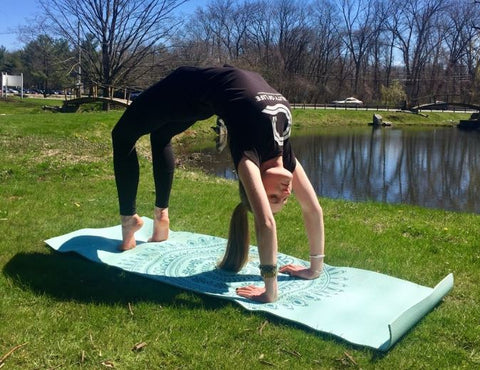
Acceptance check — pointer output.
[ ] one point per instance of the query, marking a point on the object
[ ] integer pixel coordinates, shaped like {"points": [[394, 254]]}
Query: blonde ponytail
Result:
{"points": [[238, 244]]}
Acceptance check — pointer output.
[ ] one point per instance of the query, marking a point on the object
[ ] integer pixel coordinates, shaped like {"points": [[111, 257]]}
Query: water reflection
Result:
{"points": [[437, 168]]}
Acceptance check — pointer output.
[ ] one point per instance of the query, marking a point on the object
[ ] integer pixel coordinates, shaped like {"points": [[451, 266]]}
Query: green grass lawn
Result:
{"points": [[65, 312]]}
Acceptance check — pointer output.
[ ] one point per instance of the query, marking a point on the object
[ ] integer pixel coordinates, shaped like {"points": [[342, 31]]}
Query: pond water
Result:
{"points": [[429, 167]]}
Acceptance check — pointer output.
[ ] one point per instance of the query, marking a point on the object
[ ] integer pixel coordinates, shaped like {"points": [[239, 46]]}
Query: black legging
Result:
{"points": [[131, 126]]}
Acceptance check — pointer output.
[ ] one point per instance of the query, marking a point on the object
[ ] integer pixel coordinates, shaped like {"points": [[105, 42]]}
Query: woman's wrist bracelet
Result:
{"points": [[317, 256], [268, 271]]}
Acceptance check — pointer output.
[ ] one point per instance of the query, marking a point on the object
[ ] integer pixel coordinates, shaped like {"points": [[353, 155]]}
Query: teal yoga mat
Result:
{"points": [[363, 307]]}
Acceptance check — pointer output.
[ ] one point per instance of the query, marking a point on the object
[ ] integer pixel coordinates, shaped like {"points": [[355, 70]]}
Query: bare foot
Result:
{"points": [[130, 225], [161, 225]]}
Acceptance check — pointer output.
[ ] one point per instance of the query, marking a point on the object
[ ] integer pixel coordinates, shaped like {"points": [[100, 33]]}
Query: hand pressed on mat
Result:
{"points": [[260, 294], [300, 271]]}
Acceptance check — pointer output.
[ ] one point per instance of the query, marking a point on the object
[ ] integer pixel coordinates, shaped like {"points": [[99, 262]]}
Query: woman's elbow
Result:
{"points": [[313, 208], [265, 225]]}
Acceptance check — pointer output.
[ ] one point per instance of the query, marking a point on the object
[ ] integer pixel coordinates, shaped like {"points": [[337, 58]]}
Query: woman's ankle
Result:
{"points": [[130, 225], [161, 225], [161, 214]]}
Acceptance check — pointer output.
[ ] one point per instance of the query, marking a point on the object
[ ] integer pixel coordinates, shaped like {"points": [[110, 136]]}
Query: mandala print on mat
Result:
{"points": [[191, 263], [297, 292], [363, 307]]}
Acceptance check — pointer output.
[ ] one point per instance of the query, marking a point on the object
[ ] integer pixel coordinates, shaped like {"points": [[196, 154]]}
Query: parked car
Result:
{"points": [[440, 104], [350, 102]]}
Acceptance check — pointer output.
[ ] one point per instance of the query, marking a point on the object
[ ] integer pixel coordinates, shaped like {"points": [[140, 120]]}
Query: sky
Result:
{"points": [[14, 14], [11, 17]]}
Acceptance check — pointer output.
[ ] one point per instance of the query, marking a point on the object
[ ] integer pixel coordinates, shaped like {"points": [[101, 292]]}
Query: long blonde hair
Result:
{"points": [[236, 253]]}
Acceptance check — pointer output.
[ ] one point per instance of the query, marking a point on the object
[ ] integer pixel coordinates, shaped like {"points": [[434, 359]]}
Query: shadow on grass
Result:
{"points": [[69, 277], [66, 276]]}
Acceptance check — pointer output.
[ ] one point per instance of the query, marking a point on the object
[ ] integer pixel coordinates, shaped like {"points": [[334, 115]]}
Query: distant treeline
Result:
{"points": [[313, 51]]}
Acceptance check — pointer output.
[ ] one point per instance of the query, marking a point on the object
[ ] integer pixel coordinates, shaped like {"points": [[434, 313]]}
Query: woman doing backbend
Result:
{"points": [[258, 121]]}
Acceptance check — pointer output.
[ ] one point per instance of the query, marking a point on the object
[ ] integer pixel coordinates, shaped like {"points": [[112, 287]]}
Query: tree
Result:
{"points": [[47, 62], [416, 34], [262, 51], [10, 62], [223, 32], [123, 33], [362, 22], [3, 51], [325, 48], [393, 94], [310, 50], [218, 23], [293, 38], [461, 40]]}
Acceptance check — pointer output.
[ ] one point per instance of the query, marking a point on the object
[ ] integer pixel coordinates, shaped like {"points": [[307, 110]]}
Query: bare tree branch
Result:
{"points": [[121, 33]]}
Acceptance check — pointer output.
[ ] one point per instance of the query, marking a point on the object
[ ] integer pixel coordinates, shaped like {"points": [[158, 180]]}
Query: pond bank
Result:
{"points": [[201, 135], [310, 118]]}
